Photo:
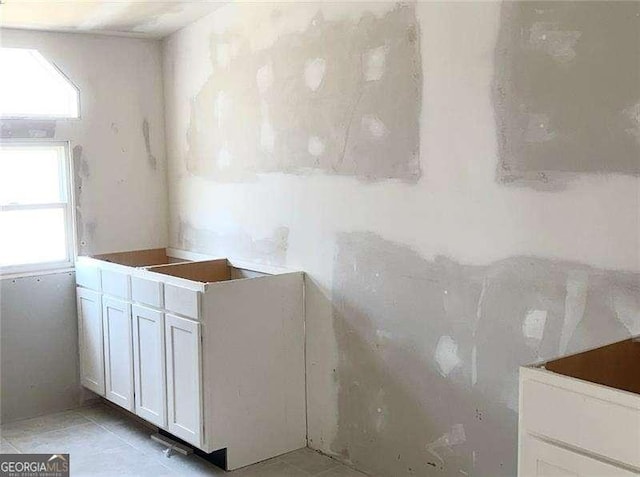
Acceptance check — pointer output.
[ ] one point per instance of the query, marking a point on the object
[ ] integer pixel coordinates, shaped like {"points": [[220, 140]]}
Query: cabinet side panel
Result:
{"points": [[254, 371]]}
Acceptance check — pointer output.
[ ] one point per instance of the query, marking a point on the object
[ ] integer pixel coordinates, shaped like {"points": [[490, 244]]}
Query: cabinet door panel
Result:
{"points": [[542, 459], [118, 352], [149, 365], [90, 340], [184, 385]]}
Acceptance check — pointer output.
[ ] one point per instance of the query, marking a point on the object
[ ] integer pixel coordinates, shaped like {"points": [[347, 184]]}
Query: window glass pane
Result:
{"points": [[30, 86], [32, 236], [31, 175]]}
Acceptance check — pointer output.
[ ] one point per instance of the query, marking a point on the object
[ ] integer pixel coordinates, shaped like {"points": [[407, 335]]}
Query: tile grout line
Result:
{"points": [[8, 439], [307, 473], [128, 444], [335, 464], [18, 451], [339, 464], [116, 435], [92, 421], [156, 458], [89, 421]]}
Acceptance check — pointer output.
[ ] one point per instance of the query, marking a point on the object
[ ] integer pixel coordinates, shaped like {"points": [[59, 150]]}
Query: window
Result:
{"points": [[36, 216], [32, 87]]}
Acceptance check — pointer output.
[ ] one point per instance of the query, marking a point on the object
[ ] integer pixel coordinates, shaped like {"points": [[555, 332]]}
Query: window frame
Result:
{"points": [[68, 206]]}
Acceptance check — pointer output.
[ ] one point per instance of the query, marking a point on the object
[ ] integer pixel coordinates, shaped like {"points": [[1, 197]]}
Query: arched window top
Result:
{"points": [[32, 87]]}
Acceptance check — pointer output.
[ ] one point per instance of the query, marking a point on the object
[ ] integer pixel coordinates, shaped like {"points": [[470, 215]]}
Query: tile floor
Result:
{"points": [[103, 441]]}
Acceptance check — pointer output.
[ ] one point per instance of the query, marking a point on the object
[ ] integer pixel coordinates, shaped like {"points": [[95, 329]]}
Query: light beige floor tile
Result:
{"points": [[277, 468], [85, 438], [309, 460], [137, 436], [341, 471], [7, 448], [105, 415], [190, 465], [253, 470], [103, 441], [123, 461], [50, 422]]}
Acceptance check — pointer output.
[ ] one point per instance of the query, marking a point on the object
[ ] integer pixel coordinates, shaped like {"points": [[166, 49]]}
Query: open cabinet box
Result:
{"points": [[580, 414], [207, 271], [192, 346], [111, 272], [139, 258], [616, 366]]}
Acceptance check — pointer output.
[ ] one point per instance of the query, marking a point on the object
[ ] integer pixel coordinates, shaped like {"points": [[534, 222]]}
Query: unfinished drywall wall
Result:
{"points": [[117, 145], [567, 89], [425, 290], [429, 350], [39, 345], [271, 249], [341, 96], [118, 155]]}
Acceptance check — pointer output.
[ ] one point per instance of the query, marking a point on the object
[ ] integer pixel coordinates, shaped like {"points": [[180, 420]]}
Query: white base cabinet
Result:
{"points": [[150, 368], [580, 415], [211, 351]]}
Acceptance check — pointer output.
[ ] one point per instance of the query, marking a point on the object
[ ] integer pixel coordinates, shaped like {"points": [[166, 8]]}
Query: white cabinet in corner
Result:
{"points": [[118, 352], [90, 339], [184, 380], [149, 365]]}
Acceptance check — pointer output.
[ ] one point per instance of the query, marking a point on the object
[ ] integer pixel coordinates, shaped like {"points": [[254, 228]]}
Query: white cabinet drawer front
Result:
{"points": [[88, 276], [90, 339], [115, 284], [149, 365], [118, 352], [184, 379], [592, 424], [182, 301], [146, 291], [542, 459]]}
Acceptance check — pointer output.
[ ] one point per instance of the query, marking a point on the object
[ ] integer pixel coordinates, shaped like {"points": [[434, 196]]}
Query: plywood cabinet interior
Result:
{"points": [[212, 351], [580, 415]]}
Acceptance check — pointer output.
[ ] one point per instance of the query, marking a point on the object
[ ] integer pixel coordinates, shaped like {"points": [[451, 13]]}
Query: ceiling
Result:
{"points": [[141, 18]]}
